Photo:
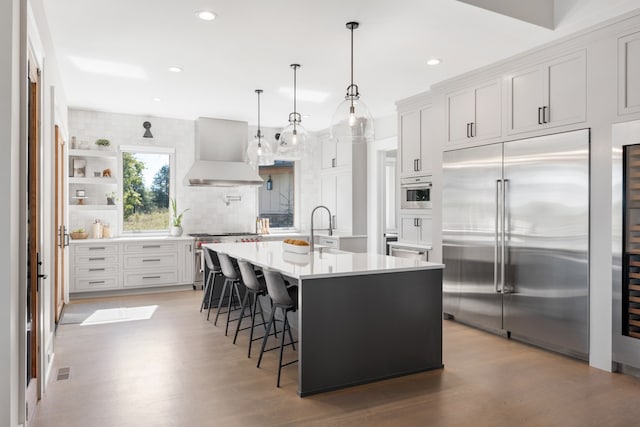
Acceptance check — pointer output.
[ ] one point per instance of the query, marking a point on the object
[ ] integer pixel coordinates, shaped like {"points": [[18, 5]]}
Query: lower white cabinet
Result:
{"points": [[343, 243], [129, 263], [415, 229]]}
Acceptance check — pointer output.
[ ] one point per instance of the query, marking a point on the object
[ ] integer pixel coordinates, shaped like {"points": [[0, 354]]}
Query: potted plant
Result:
{"points": [[111, 198], [176, 220], [103, 144]]}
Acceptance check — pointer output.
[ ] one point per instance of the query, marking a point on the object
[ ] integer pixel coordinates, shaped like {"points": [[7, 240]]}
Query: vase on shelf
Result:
{"points": [[176, 230]]}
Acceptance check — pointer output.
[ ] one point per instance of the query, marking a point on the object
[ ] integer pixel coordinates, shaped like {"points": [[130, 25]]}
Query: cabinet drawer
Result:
{"points": [[151, 260], [88, 272], [151, 247], [96, 284], [328, 241], [150, 278], [97, 249], [97, 259]]}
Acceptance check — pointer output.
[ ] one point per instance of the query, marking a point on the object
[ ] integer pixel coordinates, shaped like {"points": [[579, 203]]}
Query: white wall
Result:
{"points": [[208, 211], [11, 393]]}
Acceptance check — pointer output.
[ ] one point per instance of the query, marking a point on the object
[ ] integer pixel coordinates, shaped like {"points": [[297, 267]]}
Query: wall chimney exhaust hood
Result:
{"points": [[220, 146]]}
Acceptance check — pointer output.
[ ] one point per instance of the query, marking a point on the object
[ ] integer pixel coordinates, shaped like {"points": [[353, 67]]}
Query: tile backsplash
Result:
{"points": [[209, 210]]}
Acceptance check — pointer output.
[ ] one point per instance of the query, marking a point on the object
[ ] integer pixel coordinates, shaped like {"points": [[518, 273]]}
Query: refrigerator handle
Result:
{"points": [[497, 244], [503, 276]]}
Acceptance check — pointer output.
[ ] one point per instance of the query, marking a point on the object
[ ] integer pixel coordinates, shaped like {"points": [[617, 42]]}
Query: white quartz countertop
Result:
{"points": [[325, 263], [133, 239]]}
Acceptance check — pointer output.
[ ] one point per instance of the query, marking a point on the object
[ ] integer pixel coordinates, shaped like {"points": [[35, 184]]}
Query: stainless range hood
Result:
{"points": [[220, 146]]}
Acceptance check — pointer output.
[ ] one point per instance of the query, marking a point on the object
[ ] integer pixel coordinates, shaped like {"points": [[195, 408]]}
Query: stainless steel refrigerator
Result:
{"points": [[516, 239]]}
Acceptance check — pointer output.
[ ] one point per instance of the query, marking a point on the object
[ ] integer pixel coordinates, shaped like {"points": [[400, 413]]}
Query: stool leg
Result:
{"points": [[212, 286], [282, 346], [264, 323], [231, 286], [286, 319], [224, 288], [266, 335], [253, 322], [204, 292], [244, 303]]}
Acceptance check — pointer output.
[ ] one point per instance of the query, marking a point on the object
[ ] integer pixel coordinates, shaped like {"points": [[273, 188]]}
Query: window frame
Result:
{"points": [[296, 197], [172, 185]]}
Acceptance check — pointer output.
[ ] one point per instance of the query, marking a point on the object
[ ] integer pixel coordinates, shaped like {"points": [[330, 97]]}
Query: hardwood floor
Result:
{"points": [[177, 369]]}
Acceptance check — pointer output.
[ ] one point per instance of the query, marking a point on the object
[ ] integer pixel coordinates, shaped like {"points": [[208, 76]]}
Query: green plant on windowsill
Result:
{"points": [[176, 219]]}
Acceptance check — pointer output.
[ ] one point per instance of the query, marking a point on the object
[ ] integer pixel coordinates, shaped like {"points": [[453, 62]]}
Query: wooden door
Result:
{"points": [[34, 261], [61, 237]]}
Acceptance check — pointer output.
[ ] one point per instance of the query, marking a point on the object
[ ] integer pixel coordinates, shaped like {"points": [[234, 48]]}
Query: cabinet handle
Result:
{"points": [[96, 259], [419, 163], [334, 220], [151, 260], [96, 282], [97, 248], [96, 269], [333, 162], [544, 114], [471, 129], [539, 113], [150, 246], [468, 130], [150, 277]]}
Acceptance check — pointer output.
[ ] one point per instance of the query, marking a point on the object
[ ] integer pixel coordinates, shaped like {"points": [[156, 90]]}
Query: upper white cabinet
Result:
{"points": [[547, 95], [474, 114], [343, 189], [416, 139], [629, 74], [335, 155]]}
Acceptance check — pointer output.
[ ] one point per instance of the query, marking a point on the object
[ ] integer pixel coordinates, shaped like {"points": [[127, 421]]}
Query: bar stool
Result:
{"points": [[213, 265], [287, 300], [256, 287], [232, 279]]}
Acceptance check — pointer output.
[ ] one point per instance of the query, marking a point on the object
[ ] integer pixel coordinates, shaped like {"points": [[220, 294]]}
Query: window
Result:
{"points": [[147, 182], [277, 194]]}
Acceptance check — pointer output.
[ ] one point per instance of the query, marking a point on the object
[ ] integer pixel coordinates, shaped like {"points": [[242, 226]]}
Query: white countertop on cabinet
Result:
{"points": [[325, 263], [133, 239]]}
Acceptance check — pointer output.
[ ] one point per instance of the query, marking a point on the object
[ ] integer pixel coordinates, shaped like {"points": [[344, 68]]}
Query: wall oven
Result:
{"points": [[415, 192]]}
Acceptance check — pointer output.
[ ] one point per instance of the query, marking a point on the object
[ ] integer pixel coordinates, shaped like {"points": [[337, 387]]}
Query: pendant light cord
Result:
{"points": [[352, 57], [295, 110], [259, 132]]}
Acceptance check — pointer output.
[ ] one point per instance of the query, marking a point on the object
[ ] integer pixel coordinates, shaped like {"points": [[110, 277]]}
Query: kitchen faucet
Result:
{"points": [[330, 225]]}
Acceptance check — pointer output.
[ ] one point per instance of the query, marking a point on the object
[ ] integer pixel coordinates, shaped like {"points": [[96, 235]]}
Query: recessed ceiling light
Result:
{"points": [[206, 15], [156, 99], [434, 61], [174, 69]]}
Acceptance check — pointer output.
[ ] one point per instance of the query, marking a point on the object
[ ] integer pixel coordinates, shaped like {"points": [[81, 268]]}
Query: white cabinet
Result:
{"points": [[130, 263], [474, 113], [335, 155], [344, 191], [417, 139], [550, 94], [94, 267], [415, 229], [629, 74], [343, 243], [186, 262]]}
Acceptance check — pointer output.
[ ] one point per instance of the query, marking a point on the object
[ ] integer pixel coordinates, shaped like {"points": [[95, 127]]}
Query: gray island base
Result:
{"points": [[361, 317]]}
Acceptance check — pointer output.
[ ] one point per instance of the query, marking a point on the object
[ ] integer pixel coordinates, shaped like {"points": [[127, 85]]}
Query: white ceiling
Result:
{"points": [[252, 42]]}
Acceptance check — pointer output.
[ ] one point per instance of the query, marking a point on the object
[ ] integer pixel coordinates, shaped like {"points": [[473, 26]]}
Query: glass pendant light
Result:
{"points": [[293, 137], [259, 152], [352, 121]]}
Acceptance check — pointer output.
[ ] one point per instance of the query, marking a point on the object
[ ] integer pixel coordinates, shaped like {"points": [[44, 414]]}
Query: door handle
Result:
{"points": [[539, 114], [503, 274], [544, 114], [496, 250]]}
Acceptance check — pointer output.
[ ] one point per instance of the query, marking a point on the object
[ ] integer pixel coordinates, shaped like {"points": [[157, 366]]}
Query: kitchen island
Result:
{"points": [[362, 317]]}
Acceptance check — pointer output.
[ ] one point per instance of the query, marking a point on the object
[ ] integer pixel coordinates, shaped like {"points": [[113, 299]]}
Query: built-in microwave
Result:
{"points": [[416, 192]]}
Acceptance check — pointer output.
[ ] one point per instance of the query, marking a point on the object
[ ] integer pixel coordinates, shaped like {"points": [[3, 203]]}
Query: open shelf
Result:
{"points": [[93, 153], [93, 180], [93, 207]]}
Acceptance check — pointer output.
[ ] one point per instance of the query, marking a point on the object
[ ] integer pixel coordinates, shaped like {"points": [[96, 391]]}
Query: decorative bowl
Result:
{"points": [[297, 249], [79, 236]]}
